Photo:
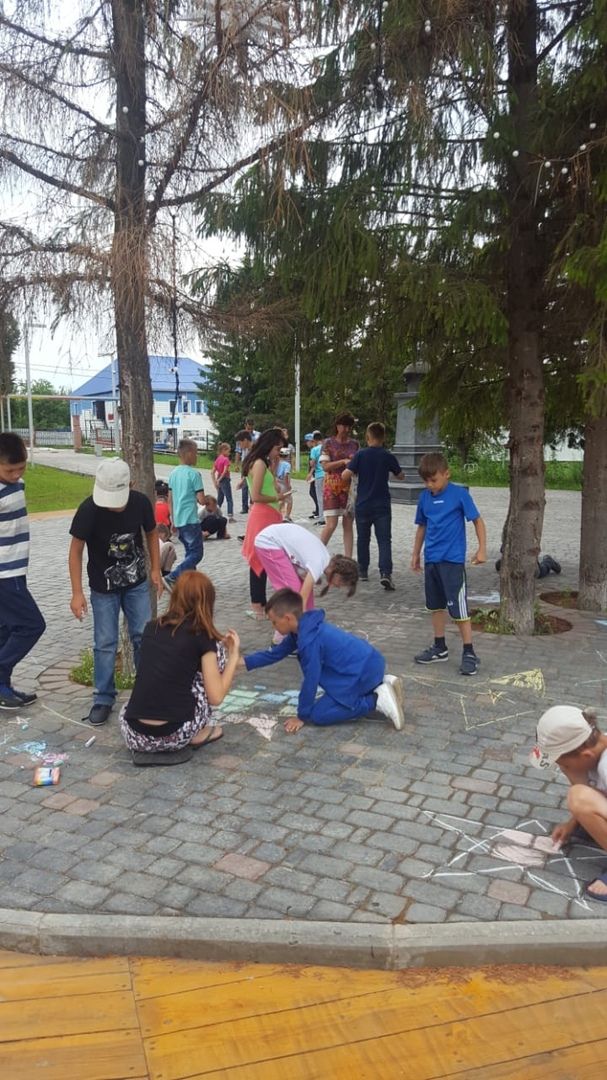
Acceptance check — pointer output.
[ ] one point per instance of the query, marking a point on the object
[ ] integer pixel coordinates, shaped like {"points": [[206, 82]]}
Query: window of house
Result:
{"points": [[185, 405], [199, 406]]}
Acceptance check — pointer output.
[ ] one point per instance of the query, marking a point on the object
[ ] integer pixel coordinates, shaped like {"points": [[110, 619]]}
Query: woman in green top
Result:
{"points": [[258, 471]]}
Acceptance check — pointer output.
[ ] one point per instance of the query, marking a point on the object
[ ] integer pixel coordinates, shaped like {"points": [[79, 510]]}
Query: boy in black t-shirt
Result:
{"points": [[109, 524], [373, 505]]}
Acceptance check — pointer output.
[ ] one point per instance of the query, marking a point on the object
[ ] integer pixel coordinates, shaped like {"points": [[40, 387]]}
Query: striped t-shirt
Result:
{"points": [[14, 530]]}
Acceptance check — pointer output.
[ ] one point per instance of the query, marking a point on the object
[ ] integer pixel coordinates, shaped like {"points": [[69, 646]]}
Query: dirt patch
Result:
{"points": [[565, 598], [487, 620]]}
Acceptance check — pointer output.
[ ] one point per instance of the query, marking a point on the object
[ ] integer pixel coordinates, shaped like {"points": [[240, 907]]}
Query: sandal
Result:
{"points": [[593, 896], [214, 734]]}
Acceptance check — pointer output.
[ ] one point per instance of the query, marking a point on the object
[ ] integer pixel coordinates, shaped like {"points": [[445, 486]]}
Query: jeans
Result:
{"points": [[225, 492], [320, 485], [314, 496], [21, 624], [381, 520], [191, 538], [245, 498], [135, 603]]}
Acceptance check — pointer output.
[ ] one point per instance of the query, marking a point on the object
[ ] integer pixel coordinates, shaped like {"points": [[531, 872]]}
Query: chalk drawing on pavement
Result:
{"points": [[515, 849], [487, 701], [249, 707]]}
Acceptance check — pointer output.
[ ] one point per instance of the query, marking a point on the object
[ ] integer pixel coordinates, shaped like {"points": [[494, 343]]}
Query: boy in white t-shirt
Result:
{"points": [[295, 558], [569, 738], [283, 479]]}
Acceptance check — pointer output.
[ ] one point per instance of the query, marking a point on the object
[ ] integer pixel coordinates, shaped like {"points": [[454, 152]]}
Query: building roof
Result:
{"points": [[161, 374]]}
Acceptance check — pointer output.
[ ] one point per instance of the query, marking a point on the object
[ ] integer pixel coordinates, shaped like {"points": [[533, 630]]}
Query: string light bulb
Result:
{"points": [[592, 125], [427, 27], [564, 170], [515, 153], [125, 108], [547, 164], [496, 134], [582, 147]]}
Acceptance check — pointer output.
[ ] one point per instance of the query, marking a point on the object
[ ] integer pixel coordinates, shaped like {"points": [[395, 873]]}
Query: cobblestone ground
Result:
{"points": [[358, 822]]}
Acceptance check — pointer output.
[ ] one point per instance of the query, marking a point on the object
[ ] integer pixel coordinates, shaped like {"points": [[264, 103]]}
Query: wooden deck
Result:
{"points": [[65, 1019]]}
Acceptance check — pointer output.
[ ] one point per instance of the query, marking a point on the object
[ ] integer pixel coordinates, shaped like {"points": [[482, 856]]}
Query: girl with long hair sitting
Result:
{"points": [[185, 667]]}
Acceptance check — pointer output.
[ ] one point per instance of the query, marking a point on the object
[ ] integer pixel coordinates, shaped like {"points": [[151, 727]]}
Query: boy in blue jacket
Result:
{"points": [[348, 669]]}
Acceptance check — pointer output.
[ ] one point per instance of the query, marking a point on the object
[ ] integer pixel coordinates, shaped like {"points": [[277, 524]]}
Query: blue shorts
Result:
{"points": [[445, 584]]}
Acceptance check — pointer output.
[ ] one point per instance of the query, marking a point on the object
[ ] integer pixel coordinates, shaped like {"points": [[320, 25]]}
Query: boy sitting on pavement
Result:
{"points": [[212, 522], [168, 555], [373, 507], [442, 512], [348, 669], [569, 738]]}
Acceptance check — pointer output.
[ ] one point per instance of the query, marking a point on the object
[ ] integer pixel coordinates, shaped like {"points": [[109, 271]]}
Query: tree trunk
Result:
{"points": [[593, 543], [129, 266], [523, 531]]}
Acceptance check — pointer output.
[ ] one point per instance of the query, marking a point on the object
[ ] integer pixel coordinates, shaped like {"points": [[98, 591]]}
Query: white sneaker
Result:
{"points": [[389, 701]]}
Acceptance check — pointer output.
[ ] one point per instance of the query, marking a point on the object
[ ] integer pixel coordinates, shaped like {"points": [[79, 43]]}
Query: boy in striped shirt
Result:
{"points": [[21, 623]]}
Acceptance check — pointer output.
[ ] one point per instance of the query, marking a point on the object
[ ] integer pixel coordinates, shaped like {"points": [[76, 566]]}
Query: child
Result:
{"points": [[109, 523], [186, 493], [570, 739], [336, 455], [348, 669], [168, 555], [442, 511], [283, 480], [294, 558], [244, 442], [373, 506], [221, 478], [186, 667], [212, 522], [161, 507], [21, 623], [316, 474]]}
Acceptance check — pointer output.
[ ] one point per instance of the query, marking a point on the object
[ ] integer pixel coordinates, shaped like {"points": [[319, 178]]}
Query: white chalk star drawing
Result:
{"points": [[489, 697], [517, 850]]}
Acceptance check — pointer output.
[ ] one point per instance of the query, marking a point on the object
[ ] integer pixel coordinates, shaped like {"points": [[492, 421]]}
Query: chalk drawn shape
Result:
{"points": [[516, 853], [525, 680], [601, 622], [262, 724], [489, 598]]}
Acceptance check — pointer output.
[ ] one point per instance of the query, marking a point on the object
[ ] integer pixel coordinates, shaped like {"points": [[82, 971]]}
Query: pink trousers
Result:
{"points": [[281, 572]]}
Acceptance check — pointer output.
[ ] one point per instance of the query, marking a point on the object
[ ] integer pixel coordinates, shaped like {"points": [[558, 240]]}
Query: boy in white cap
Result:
{"points": [[569, 738], [109, 524]]}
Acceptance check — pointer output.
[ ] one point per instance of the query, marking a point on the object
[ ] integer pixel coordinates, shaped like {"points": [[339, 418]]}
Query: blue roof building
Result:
{"points": [[100, 394]]}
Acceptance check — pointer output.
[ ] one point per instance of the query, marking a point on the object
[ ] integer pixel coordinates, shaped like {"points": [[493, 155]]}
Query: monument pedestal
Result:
{"points": [[412, 441]]}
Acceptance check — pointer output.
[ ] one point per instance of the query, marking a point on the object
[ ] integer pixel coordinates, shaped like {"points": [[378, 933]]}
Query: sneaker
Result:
{"points": [[320, 523], [397, 686], [99, 714], [386, 581], [311, 516], [9, 699], [288, 520], [432, 655], [389, 705], [25, 699], [363, 575], [469, 664]]}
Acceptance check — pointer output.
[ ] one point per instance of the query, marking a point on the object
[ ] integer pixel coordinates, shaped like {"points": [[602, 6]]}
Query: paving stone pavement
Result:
{"points": [[357, 822]]}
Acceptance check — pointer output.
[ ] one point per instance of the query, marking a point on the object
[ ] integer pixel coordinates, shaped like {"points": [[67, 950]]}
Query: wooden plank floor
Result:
{"points": [[65, 1019]]}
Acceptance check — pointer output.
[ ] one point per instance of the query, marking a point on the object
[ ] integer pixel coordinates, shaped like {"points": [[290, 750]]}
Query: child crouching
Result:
{"points": [[348, 669], [570, 738]]}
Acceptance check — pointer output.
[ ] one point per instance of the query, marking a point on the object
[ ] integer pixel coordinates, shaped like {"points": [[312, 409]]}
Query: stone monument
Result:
{"points": [[412, 441]]}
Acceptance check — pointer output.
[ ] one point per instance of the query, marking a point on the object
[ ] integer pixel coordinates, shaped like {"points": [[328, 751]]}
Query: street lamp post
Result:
{"points": [[28, 382]]}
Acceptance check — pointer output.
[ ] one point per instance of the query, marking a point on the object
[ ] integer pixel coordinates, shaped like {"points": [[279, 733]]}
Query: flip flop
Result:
{"points": [[214, 735], [593, 896], [144, 758]]}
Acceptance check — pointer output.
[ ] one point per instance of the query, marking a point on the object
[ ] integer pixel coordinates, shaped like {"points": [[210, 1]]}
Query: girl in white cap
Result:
{"points": [[569, 738]]}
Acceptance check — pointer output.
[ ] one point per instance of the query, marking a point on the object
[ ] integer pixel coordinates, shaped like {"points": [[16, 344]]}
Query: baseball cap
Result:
{"points": [[309, 436], [112, 481], [285, 451], [560, 730]]}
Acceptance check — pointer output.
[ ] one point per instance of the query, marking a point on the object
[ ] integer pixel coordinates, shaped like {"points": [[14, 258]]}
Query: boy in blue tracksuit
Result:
{"points": [[348, 669]]}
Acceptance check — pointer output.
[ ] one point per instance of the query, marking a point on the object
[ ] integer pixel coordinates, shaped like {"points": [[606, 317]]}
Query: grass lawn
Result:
{"points": [[51, 489]]}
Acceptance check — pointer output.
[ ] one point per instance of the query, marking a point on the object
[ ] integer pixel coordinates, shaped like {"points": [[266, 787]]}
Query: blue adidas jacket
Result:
{"points": [[331, 658]]}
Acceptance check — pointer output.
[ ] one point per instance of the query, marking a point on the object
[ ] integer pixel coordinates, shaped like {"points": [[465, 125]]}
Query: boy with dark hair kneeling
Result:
{"points": [[348, 669]]}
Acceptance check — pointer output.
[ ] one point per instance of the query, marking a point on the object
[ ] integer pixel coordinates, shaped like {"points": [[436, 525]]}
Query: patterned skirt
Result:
{"points": [[184, 735]]}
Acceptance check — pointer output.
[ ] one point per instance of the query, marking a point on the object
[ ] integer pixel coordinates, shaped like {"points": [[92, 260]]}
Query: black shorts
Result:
{"points": [[445, 584]]}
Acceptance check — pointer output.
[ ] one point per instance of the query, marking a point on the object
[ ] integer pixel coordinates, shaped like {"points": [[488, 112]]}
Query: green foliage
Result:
{"points": [[51, 415], [9, 341], [51, 489], [84, 673]]}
